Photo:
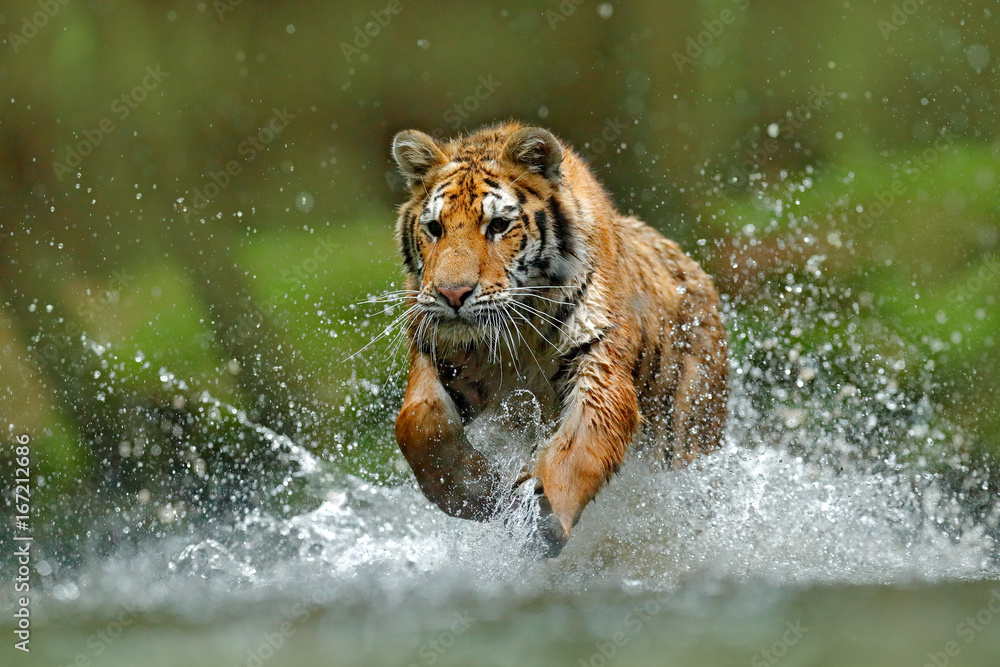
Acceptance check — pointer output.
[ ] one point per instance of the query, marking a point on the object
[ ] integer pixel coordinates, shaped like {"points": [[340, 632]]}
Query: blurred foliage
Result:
{"points": [[196, 203]]}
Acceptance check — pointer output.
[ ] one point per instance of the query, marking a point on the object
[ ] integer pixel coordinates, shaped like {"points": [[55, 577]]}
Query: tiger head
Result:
{"points": [[486, 228]]}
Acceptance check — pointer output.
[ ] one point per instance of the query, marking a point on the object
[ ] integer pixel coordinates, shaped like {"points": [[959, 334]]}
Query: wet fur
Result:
{"points": [[610, 325]]}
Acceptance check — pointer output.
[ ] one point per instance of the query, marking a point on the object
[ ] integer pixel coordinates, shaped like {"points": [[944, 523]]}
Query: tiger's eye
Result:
{"points": [[434, 228], [499, 225]]}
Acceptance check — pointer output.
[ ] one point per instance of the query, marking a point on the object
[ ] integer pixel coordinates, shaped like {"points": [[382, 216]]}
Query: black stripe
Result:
{"points": [[541, 265], [565, 310], [446, 182], [521, 198], [560, 381], [563, 239], [530, 190], [578, 351], [569, 364], [406, 243], [541, 221], [490, 182]]}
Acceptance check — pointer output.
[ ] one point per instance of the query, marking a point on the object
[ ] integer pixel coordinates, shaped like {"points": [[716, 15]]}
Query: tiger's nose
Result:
{"points": [[456, 296]]}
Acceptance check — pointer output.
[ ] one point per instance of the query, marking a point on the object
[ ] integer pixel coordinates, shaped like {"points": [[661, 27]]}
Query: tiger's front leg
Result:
{"points": [[431, 435], [593, 438]]}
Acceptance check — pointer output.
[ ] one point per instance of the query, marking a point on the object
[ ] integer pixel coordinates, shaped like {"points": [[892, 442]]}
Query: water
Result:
{"points": [[829, 530], [753, 549]]}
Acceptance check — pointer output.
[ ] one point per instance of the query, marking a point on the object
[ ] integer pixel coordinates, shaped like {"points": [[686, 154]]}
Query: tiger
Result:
{"points": [[520, 275]]}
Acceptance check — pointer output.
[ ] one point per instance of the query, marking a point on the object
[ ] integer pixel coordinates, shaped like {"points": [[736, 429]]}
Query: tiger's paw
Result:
{"points": [[549, 531], [548, 537]]}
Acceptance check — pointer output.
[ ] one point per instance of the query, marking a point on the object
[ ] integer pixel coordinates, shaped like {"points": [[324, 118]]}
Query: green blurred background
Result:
{"points": [[197, 197]]}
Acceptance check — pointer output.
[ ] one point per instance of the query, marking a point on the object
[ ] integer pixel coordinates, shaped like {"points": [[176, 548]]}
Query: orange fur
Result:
{"points": [[524, 276]]}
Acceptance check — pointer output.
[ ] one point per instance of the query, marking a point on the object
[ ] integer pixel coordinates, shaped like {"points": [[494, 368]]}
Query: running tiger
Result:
{"points": [[521, 275]]}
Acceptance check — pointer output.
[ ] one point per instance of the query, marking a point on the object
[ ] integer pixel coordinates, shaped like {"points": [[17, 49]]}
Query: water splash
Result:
{"points": [[833, 471]]}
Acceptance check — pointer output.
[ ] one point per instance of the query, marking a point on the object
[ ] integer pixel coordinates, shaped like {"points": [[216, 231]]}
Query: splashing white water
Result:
{"points": [[739, 514], [796, 505]]}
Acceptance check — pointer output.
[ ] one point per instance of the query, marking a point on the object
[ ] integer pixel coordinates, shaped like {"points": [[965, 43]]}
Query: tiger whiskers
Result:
{"points": [[515, 306], [393, 296], [509, 314], [396, 323]]}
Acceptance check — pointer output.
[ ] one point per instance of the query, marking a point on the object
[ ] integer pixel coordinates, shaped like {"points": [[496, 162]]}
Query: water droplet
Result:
{"points": [[304, 202], [979, 57]]}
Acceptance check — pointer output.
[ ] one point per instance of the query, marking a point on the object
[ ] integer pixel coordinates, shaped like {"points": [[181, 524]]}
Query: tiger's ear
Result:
{"points": [[416, 154], [536, 149]]}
